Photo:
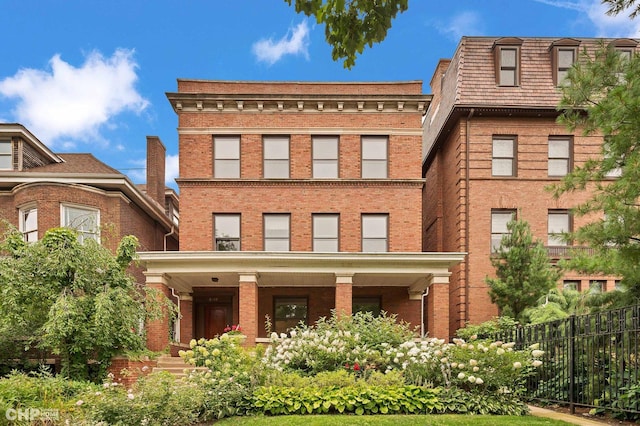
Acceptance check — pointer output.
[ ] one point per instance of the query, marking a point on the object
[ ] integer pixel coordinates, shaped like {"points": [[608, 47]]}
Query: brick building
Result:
{"points": [[491, 146], [298, 198], [40, 189]]}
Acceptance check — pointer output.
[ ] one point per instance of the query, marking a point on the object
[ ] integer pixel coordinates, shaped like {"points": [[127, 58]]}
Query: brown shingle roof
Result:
{"points": [[76, 163]]}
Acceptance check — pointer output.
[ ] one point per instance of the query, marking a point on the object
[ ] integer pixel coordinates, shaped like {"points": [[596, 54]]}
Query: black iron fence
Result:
{"points": [[589, 360]]}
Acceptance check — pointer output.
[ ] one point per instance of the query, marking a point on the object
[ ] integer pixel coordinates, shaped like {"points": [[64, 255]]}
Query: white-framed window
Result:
{"points": [[29, 224], [226, 232], [277, 232], [6, 155], [226, 157], [325, 232], [571, 285], [559, 162], [559, 222], [503, 156], [276, 156], [85, 220], [499, 220], [375, 157], [375, 232], [325, 157]]}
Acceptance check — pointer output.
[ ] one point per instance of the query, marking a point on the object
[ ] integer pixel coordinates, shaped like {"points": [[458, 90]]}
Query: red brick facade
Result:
{"points": [[460, 190]]}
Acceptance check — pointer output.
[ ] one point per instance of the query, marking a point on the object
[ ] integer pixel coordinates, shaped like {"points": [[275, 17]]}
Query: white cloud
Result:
{"points": [[606, 26], [171, 169], [295, 42], [66, 103], [465, 23]]}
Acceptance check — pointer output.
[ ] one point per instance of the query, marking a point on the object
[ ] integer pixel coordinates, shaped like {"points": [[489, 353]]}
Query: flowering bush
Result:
{"points": [[233, 329], [488, 366], [361, 339]]}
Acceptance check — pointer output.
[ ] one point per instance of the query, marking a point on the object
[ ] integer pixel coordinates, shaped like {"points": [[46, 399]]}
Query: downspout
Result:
{"points": [[176, 334], [173, 231], [425, 293], [466, 215]]}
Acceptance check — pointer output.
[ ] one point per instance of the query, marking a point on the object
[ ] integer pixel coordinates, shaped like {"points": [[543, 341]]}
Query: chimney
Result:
{"points": [[156, 153]]}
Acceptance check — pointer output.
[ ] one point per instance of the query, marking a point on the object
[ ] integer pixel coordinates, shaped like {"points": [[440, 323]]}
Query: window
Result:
{"points": [[508, 66], [325, 232], [29, 224], [227, 232], [614, 172], [226, 157], [566, 58], [559, 156], [367, 304], [504, 158], [276, 232], [559, 222], [571, 285], [506, 56], [288, 312], [6, 157], [374, 232], [84, 220], [276, 157], [597, 286], [325, 157], [499, 221], [374, 156]]}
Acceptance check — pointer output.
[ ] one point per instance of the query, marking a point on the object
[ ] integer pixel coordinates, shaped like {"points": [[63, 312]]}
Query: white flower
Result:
{"points": [[479, 381], [535, 346], [130, 396], [444, 360], [509, 345], [476, 369], [537, 353], [79, 402], [472, 379], [473, 362], [461, 376], [517, 365], [500, 351], [461, 366], [454, 364], [537, 363]]}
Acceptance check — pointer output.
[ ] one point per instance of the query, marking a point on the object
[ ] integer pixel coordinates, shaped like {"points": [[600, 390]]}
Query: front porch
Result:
{"points": [[218, 289]]}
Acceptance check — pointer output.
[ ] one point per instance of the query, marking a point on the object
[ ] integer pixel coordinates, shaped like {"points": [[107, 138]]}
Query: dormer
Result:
{"points": [[21, 150], [625, 46], [506, 55], [564, 53]]}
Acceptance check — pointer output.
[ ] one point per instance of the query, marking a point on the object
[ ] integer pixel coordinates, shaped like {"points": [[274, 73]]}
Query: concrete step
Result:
{"points": [[175, 366]]}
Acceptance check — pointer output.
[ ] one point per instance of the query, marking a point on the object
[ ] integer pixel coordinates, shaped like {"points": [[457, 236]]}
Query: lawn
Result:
{"points": [[389, 420]]}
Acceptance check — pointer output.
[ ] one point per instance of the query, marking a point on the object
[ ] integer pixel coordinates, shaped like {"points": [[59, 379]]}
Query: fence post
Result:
{"points": [[572, 362]]}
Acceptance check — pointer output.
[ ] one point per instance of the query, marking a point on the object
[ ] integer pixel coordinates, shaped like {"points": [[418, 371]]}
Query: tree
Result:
{"points": [[602, 97], [523, 271], [559, 304], [618, 6], [350, 25], [74, 299]]}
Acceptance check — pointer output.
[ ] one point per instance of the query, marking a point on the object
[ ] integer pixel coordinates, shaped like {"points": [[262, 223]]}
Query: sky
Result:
{"points": [[92, 76]]}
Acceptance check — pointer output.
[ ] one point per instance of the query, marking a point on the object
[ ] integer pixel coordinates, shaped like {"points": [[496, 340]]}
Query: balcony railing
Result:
{"points": [[566, 252]]}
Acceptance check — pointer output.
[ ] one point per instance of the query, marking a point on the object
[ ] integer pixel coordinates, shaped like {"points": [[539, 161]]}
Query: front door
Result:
{"points": [[216, 318]]}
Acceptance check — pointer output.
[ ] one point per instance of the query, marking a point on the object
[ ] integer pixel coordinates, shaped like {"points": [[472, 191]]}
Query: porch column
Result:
{"points": [[344, 294], [438, 306], [248, 307], [158, 330], [186, 317]]}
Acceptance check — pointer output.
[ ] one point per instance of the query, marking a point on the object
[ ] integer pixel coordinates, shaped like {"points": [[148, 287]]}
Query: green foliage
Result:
{"points": [[361, 399], [350, 25], [157, 399], [617, 6], [523, 271], [458, 401], [74, 299], [559, 304], [601, 99], [487, 328]]}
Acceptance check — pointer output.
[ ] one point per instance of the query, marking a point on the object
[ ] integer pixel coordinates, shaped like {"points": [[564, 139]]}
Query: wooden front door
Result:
{"points": [[216, 318]]}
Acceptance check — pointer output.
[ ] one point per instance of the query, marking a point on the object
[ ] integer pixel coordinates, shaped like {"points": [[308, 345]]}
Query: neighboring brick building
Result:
{"points": [[40, 190], [491, 146], [298, 198]]}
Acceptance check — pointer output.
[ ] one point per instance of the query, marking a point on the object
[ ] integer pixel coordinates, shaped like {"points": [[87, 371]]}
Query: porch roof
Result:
{"points": [[184, 270]]}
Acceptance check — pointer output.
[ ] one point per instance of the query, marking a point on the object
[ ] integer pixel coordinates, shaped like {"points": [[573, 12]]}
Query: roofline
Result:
{"points": [[120, 181], [288, 82], [17, 129]]}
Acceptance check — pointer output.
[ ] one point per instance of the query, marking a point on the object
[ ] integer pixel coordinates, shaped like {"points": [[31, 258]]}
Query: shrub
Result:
{"points": [[487, 328]]}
